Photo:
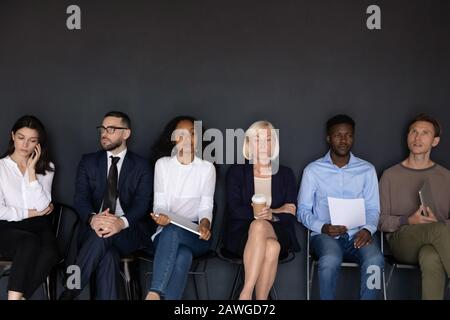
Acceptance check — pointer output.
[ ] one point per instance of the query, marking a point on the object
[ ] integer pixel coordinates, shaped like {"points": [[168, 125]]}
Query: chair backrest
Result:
{"points": [[64, 221], [385, 249]]}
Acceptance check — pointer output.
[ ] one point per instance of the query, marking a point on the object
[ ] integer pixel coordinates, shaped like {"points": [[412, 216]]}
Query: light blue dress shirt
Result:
{"points": [[323, 179]]}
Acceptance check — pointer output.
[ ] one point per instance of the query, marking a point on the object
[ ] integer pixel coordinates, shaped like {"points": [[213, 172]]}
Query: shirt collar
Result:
{"points": [[327, 158], [195, 161], [121, 155]]}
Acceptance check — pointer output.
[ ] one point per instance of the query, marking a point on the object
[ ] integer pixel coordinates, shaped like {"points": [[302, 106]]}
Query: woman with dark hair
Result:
{"points": [[184, 186], [26, 237]]}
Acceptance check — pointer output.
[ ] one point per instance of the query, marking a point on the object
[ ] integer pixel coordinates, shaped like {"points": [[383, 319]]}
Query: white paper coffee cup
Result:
{"points": [[259, 203]]}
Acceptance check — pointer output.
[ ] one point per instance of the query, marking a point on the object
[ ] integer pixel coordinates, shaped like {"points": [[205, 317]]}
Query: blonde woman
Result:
{"points": [[263, 236]]}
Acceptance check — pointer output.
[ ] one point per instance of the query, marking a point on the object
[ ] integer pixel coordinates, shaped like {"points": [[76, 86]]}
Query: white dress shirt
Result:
{"points": [[18, 194], [119, 211], [186, 190]]}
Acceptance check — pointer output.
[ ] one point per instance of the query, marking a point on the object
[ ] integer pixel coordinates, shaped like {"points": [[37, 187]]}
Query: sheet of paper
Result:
{"points": [[347, 212]]}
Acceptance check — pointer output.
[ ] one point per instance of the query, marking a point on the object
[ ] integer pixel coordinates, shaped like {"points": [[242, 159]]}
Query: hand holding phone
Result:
{"points": [[34, 157]]}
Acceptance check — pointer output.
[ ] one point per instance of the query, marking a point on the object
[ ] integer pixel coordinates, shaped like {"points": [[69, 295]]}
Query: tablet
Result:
{"points": [[426, 197], [183, 222]]}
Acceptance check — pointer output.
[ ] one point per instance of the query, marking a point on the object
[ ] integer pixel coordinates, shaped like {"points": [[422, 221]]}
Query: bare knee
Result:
{"points": [[259, 228]]}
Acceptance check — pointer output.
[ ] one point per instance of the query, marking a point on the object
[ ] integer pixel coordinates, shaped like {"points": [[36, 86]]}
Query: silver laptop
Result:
{"points": [[182, 222], [426, 197]]}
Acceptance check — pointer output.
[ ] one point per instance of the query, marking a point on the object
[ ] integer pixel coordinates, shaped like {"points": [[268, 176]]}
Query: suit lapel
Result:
{"points": [[102, 172], [126, 166], [249, 179], [275, 186]]}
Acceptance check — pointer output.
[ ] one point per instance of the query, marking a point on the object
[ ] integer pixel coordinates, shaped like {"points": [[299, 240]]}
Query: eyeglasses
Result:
{"points": [[109, 130]]}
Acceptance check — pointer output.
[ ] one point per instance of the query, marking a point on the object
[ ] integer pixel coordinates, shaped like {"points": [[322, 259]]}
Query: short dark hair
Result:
{"points": [[427, 118], [118, 114], [340, 119]]}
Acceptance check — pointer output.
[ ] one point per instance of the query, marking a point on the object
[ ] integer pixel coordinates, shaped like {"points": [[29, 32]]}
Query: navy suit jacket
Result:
{"points": [[240, 188], [135, 187]]}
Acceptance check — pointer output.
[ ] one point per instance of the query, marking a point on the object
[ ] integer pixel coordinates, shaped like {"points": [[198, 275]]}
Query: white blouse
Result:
{"points": [[186, 190], [18, 194]]}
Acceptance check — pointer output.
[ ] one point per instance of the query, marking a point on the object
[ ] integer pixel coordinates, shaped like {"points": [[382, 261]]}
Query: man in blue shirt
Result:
{"points": [[339, 174]]}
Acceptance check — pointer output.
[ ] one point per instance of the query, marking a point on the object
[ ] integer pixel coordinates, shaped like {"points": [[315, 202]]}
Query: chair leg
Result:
{"points": [[236, 282], [205, 277], [274, 294], [45, 288], [206, 285], [127, 280], [308, 297], [196, 266], [388, 281], [53, 284], [311, 279], [203, 273], [194, 277], [136, 289]]}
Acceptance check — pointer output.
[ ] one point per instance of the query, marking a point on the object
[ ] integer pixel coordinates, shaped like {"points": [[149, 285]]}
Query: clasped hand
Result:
{"points": [[106, 224]]}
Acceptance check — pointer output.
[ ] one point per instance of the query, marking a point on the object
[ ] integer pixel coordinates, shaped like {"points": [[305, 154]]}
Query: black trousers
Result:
{"points": [[31, 245]]}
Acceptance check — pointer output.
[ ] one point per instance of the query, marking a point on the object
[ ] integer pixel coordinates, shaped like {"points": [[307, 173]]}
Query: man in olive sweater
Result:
{"points": [[417, 235]]}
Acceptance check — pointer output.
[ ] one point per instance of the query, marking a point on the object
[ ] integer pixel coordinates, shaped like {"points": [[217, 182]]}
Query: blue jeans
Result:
{"points": [[174, 250], [332, 252]]}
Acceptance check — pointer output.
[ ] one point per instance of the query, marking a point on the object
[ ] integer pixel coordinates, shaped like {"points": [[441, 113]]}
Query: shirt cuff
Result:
{"points": [[317, 226], [125, 221], [159, 209], [403, 220], [90, 218], [205, 214], [369, 228]]}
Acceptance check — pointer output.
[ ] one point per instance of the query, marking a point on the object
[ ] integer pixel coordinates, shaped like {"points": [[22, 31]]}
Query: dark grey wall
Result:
{"points": [[229, 63]]}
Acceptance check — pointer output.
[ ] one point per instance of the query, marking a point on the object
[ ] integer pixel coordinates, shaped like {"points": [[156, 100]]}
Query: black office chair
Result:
{"points": [[6, 264], [394, 263], [229, 257], [126, 272], [65, 222], [129, 272], [198, 267], [312, 260], [64, 231]]}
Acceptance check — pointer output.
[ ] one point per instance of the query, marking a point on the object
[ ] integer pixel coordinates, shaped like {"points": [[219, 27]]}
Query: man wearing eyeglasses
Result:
{"points": [[113, 195]]}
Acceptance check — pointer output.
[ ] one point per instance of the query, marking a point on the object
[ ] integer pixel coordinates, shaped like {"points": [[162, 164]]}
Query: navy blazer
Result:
{"points": [[135, 186], [240, 188]]}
